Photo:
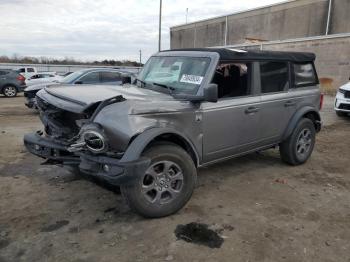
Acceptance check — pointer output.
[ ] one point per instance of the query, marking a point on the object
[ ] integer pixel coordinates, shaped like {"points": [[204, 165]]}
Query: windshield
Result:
{"points": [[178, 74], [68, 79]]}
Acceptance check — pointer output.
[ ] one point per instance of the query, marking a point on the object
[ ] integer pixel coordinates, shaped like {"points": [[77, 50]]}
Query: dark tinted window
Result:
{"points": [[21, 70], [274, 76], [90, 78], [31, 70], [233, 79], [110, 77], [304, 74], [35, 77]]}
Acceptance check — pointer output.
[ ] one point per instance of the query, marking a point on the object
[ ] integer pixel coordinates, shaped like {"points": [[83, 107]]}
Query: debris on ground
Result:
{"points": [[200, 234]]}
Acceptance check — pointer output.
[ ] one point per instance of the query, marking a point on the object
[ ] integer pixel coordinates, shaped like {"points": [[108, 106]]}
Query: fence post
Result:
{"points": [[226, 26]]}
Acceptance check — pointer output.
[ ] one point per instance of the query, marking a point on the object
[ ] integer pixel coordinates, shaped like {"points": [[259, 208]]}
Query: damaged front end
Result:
{"points": [[73, 139]]}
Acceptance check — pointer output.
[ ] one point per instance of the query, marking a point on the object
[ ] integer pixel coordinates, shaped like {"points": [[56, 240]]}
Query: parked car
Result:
{"points": [[66, 74], [101, 76], [342, 100], [151, 137], [27, 72], [11, 82], [44, 77]]}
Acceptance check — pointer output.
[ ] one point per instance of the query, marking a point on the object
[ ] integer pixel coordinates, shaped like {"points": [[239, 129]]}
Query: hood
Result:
{"points": [[79, 98], [346, 86], [37, 87]]}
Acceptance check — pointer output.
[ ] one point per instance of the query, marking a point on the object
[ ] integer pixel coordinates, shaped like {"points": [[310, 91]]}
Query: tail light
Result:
{"points": [[21, 78], [321, 101]]}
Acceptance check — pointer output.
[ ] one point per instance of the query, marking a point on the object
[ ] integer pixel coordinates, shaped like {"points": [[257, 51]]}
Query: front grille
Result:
{"points": [[30, 94], [344, 106], [41, 103]]}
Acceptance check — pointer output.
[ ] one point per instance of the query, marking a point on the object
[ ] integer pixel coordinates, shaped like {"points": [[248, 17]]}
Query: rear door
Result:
{"points": [[3, 77], [277, 106]]}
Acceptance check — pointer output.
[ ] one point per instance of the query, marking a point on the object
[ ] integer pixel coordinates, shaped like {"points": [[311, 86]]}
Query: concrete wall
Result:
{"points": [[294, 19]]}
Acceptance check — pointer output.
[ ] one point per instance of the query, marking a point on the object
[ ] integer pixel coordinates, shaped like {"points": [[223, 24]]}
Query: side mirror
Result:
{"points": [[126, 80], [78, 82], [211, 93]]}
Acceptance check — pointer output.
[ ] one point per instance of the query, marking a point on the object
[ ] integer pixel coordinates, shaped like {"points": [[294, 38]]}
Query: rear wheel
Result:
{"points": [[297, 149], [166, 186], [9, 91]]}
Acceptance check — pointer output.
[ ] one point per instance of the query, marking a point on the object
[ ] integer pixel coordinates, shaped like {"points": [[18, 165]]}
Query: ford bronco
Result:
{"points": [[187, 109]]}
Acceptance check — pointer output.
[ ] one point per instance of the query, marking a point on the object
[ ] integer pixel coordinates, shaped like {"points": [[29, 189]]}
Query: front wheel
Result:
{"points": [[167, 184], [297, 149], [9, 91]]}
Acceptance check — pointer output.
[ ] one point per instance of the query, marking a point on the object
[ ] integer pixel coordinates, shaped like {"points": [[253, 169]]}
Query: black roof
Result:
{"points": [[234, 54]]}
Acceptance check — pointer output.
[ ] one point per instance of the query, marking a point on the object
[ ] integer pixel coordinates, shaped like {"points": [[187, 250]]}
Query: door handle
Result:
{"points": [[251, 110], [290, 103]]}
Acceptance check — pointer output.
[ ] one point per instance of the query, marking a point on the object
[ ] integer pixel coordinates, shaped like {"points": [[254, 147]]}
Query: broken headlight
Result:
{"points": [[94, 141], [91, 137]]}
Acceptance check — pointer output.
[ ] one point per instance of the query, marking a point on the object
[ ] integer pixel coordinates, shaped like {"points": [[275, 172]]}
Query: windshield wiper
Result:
{"points": [[170, 88]]}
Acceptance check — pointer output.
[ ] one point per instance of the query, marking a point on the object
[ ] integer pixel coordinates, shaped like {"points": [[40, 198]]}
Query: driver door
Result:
{"points": [[231, 125]]}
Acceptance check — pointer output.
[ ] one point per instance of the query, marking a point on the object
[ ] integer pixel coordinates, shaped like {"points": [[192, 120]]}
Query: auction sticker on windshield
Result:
{"points": [[191, 79]]}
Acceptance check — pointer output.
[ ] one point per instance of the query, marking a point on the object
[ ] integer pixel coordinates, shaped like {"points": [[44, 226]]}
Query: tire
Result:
{"points": [[341, 114], [9, 91], [297, 148], [157, 194]]}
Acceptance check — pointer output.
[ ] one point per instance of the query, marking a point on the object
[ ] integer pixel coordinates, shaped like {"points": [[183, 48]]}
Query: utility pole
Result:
{"points": [[186, 14], [140, 56], [160, 25]]}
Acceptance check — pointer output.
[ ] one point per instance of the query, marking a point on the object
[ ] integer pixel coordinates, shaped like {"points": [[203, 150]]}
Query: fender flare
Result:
{"points": [[137, 146], [297, 116]]}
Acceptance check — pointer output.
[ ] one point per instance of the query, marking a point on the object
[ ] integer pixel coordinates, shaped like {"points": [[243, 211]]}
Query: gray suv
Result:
{"points": [[11, 82], [187, 109]]}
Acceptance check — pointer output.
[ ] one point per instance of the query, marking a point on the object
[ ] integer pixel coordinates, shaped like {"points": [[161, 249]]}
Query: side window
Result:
{"points": [[90, 78], [35, 77], [30, 70], [233, 79], [304, 74], [110, 77], [21, 70], [274, 77], [3, 73]]}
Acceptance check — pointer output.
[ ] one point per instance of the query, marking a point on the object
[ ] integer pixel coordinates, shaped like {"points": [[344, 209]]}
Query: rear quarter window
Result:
{"points": [[304, 74]]}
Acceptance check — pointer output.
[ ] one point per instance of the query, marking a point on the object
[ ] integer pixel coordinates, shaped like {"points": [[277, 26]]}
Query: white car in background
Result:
{"points": [[27, 72], [342, 100], [44, 77]]}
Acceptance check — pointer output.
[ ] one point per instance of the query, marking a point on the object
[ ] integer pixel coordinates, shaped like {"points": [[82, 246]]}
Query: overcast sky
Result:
{"points": [[99, 29]]}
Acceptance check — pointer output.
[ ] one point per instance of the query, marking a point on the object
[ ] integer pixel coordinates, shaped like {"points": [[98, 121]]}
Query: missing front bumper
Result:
{"points": [[113, 170]]}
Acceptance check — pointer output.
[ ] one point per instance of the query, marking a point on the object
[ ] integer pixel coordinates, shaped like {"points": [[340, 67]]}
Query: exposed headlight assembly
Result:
{"points": [[91, 138], [94, 141]]}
